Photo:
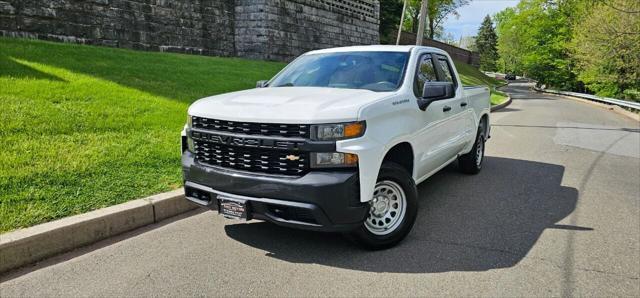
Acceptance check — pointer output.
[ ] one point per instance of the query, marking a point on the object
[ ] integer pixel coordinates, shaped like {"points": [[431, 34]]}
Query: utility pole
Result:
{"points": [[421, 23], [404, 7]]}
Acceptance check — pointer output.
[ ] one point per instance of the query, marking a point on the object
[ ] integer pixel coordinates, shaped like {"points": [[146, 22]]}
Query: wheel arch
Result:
{"points": [[403, 154], [484, 121]]}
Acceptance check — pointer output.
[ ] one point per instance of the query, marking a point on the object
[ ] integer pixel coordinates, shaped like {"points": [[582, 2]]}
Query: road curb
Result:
{"points": [[502, 105], [29, 245]]}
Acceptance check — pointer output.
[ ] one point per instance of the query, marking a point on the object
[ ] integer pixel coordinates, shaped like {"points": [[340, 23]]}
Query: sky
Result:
{"points": [[471, 16]]}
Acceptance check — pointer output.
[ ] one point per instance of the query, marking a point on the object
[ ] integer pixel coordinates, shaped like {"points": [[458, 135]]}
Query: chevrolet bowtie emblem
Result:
{"points": [[292, 157]]}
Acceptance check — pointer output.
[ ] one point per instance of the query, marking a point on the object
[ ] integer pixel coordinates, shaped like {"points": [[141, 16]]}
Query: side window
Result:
{"points": [[446, 69], [426, 72]]}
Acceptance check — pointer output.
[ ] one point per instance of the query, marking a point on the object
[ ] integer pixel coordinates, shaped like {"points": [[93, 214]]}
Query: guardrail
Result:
{"points": [[607, 100]]}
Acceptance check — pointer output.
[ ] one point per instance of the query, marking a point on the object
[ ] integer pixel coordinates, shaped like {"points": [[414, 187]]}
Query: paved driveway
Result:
{"points": [[555, 212]]}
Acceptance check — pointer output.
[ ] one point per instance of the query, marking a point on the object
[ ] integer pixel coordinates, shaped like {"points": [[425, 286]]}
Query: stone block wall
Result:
{"points": [[283, 29], [261, 29], [191, 26]]}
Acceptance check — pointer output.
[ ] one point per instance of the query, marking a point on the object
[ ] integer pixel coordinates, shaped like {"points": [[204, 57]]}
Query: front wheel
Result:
{"points": [[392, 209]]}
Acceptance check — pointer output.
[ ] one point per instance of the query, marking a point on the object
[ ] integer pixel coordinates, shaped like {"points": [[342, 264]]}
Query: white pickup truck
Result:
{"points": [[336, 141]]}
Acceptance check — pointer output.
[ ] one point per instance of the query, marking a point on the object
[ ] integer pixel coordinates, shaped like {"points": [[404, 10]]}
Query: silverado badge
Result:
{"points": [[292, 157]]}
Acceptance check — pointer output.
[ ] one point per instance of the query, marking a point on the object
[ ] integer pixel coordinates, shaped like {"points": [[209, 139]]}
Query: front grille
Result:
{"points": [[250, 128], [252, 159]]}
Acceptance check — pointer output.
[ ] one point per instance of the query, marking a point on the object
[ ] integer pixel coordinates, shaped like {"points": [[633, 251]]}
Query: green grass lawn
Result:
{"points": [[471, 76], [86, 127]]}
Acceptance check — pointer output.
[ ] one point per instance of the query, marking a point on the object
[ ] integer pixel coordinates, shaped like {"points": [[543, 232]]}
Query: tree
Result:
{"points": [[448, 38], [606, 47], [486, 43], [573, 44], [439, 10], [390, 12], [533, 39], [421, 22], [469, 43]]}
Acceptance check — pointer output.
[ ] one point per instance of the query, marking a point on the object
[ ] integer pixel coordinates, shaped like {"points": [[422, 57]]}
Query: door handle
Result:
{"points": [[463, 104], [446, 109]]}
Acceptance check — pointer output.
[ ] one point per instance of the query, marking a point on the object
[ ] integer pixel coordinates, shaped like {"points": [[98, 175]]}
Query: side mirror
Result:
{"points": [[262, 84], [433, 91]]}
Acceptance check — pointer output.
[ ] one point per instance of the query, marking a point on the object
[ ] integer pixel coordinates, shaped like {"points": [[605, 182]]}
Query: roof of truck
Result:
{"points": [[374, 48]]}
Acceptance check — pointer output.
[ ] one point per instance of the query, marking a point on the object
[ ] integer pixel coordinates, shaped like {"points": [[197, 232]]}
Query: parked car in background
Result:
{"points": [[337, 141], [510, 77]]}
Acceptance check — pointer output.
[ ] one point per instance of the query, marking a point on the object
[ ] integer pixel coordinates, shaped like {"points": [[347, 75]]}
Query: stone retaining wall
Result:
{"points": [[261, 29], [203, 27], [281, 29]]}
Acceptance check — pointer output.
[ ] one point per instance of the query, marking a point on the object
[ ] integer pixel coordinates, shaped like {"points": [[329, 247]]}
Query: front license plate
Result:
{"points": [[233, 209]]}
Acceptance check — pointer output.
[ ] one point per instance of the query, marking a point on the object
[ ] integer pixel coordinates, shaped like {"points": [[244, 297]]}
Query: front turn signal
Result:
{"points": [[353, 130]]}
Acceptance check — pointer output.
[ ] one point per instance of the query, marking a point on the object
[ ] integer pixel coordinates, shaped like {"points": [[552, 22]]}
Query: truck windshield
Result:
{"points": [[375, 71]]}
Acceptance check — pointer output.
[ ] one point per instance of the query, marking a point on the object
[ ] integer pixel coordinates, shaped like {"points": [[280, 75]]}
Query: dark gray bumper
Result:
{"points": [[319, 200]]}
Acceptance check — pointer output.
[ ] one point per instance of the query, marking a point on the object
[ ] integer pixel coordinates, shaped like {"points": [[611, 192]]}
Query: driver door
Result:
{"points": [[437, 121]]}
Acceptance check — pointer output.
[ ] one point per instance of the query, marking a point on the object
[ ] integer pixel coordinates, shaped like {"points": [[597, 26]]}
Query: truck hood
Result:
{"points": [[294, 105]]}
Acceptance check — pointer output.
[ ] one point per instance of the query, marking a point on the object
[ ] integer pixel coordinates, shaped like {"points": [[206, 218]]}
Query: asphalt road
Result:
{"points": [[555, 212]]}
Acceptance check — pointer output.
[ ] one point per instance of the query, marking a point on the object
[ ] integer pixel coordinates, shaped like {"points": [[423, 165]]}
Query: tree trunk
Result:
{"points": [[421, 24], [404, 7], [431, 31]]}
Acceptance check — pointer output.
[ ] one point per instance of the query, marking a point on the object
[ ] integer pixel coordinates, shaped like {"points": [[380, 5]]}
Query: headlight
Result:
{"points": [[187, 139], [333, 160], [190, 146], [187, 144], [338, 131]]}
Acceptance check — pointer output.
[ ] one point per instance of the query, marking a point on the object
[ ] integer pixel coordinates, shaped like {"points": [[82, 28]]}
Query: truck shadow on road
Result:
{"points": [[465, 223]]}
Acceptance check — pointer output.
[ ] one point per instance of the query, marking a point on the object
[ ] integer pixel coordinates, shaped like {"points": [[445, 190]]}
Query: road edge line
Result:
{"points": [[30, 245]]}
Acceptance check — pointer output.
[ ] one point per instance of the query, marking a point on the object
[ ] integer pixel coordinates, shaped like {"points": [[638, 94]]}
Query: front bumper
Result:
{"points": [[320, 200]]}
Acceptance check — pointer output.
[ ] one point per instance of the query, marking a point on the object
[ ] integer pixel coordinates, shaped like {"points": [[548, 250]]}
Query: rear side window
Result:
{"points": [[446, 70], [426, 73]]}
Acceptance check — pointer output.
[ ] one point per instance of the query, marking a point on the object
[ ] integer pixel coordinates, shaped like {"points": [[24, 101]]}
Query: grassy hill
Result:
{"points": [[86, 127], [472, 76]]}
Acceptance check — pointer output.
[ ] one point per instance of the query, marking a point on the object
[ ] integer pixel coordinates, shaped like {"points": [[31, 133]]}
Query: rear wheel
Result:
{"points": [[392, 209], [471, 163]]}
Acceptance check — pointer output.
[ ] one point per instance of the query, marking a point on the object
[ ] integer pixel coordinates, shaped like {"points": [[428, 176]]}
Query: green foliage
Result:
{"points": [[569, 44], [486, 43], [509, 47], [631, 94], [390, 13], [86, 127], [533, 40], [469, 42], [438, 10], [606, 47]]}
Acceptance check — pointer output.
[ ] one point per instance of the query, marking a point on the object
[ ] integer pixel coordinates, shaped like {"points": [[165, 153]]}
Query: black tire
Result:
{"points": [[468, 163], [390, 173]]}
